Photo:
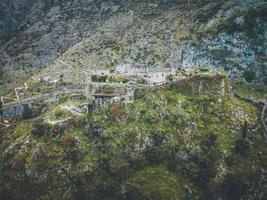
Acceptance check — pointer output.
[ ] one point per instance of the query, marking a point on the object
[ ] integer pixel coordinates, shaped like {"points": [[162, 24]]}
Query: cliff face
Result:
{"points": [[13, 13], [98, 33]]}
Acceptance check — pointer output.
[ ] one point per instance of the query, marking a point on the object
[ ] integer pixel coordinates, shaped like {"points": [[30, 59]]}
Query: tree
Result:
{"points": [[245, 130], [249, 75]]}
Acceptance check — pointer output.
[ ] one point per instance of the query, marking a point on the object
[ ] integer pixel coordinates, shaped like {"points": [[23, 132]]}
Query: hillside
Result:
{"points": [[170, 143], [221, 34], [133, 99]]}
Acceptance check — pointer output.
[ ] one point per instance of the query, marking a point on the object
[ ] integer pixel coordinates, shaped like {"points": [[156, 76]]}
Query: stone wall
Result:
{"points": [[204, 84]]}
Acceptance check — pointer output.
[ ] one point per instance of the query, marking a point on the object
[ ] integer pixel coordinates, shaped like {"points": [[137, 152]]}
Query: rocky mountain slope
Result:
{"points": [[97, 33], [189, 139]]}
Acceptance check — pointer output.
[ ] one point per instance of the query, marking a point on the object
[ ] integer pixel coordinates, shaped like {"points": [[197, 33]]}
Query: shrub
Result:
{"points": [[116, 112], [242, 145], [102, 78], [94, 78], [93, 129], [191, 169], [233, 187], [140, 93], [19, 163], [67, 140], [170, 77], [119, 168], [202, 166], [167, 64], [60, 113], [99, 78], [203, 70], [249, 75], [40, 128], [121, 79]]}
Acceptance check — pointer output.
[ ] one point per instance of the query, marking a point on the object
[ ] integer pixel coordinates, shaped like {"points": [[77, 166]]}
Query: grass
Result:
{"points": [[154, 183], [251, 90]]}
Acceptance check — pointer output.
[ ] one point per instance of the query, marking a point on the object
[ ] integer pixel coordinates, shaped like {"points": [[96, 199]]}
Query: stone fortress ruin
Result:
{"points": [[101, 87]]}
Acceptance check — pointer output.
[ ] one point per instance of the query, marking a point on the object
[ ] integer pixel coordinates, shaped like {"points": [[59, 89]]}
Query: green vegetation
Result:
{"points": [[41, 87], [100, 78], [111, 79], [187, 141], [59, 113], [154, 183], [251, 90], [171, 143], [67, 140], [106, 90]]}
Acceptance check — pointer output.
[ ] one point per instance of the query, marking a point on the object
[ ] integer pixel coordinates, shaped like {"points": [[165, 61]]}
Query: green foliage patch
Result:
{"points": [[171, 143]]}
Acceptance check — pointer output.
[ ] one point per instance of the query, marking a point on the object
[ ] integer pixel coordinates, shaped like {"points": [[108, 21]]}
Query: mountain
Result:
{"points": [[223, 34], [133, 99]]}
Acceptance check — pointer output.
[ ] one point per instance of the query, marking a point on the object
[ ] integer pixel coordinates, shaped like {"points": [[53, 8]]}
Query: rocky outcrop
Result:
{"points": [[13, 13], [241, 56], [17, 15], [236, 42]]}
